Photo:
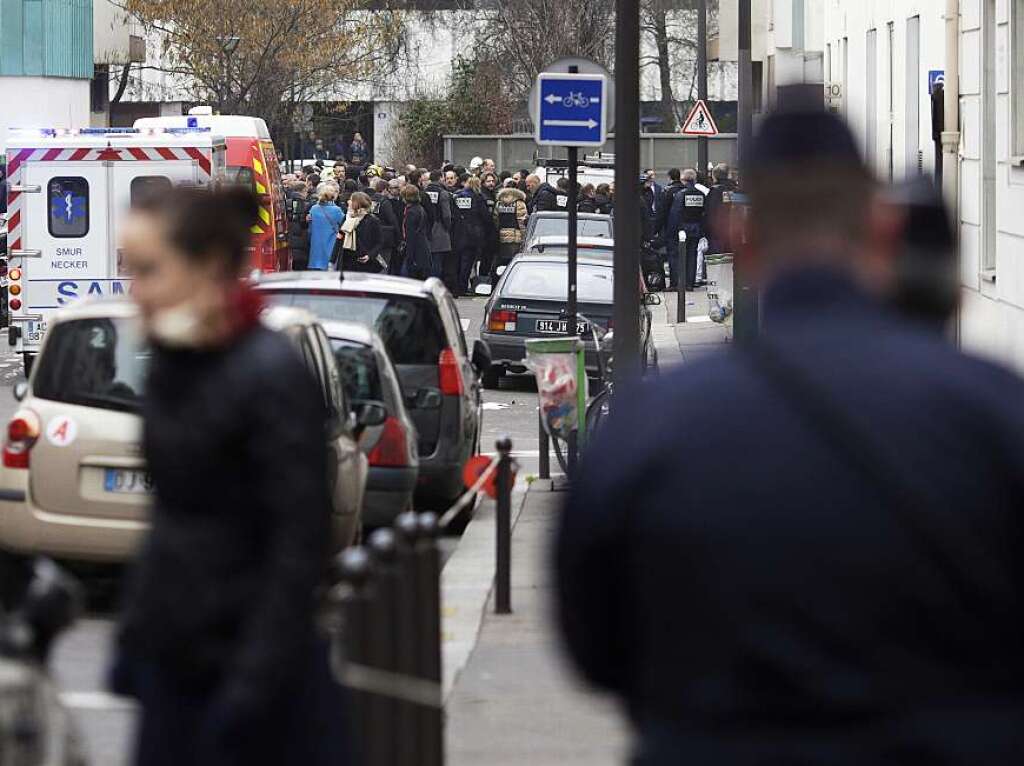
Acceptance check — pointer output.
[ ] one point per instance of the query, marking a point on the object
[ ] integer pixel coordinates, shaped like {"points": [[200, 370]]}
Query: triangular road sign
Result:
{"points": [[700, 122]]}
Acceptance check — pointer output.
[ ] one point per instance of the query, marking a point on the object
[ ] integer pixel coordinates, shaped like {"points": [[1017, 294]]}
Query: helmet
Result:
{"points": [[475, 163], [374, 170]]}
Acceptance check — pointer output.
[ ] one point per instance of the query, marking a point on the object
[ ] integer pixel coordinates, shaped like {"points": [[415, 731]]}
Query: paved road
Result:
{"points": [[82, 656]]}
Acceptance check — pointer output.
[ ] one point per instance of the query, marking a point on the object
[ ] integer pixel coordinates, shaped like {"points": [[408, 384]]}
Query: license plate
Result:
{"points": [[125, 481], [35, 330], [560, 327]]}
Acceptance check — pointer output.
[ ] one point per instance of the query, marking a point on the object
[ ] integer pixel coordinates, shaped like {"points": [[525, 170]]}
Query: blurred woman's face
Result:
{"points": [[161, 277]]}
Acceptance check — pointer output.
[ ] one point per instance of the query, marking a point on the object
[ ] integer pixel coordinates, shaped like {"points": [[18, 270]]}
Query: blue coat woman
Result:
{"points": [[324, 222]]}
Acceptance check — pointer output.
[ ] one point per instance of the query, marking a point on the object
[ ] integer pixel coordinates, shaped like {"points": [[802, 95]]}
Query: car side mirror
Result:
{"points": [[483, 288], [481, 357], [652, 299], [20, 390], [370, 414], [425, 399]]}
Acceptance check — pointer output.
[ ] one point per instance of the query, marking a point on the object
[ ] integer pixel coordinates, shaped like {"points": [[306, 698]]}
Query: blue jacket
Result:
{"points": [[753, 597], [325, 220]]}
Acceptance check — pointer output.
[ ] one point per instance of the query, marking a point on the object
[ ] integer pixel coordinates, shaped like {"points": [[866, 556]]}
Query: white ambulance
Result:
{"points": [[68, 192]]}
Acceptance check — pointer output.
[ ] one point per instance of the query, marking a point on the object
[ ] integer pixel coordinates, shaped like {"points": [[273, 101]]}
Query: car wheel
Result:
{"points": [[491, 377]]}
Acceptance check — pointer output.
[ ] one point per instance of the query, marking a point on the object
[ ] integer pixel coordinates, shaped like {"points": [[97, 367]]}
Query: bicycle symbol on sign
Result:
{"points": [[576, 99]]}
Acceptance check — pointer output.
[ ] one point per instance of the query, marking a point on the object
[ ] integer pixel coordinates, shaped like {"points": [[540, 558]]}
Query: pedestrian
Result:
{"points": [[603, 199], [325, 219], [218, 641], [687, 216], [472, 220], [416, 257], [562, 194], [394, 201], [489, 190], [542, 196], [445, 264], [825, 570], [360, 237], [298, 224], [651, 178], [510, 214], [382, 208], [359, 152], [587, 203], [719, 200], [488, 166], [451, 182]]}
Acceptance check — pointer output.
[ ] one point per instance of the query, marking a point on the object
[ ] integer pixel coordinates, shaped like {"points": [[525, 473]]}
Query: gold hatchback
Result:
{"points": [[73, 480]]}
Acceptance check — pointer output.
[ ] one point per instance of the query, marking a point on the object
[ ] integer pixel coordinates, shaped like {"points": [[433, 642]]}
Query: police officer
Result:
{"points": [[299, 205], [472, 220], [562, 194], [382, 207], [819, 503], [542, 195], [445, 264], [718, 201], [489, 190], [687, 215]]}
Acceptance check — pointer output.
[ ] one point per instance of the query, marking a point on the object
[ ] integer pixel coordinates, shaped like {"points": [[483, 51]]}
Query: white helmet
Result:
{"points": [[475, 163]]}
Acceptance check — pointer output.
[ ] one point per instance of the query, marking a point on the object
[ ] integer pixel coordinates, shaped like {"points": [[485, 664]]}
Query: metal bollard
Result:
{"points": [[382, 711], [355, 568], [428, 586], [407, 633], [544, 444], [503, 519], [681, 280]]}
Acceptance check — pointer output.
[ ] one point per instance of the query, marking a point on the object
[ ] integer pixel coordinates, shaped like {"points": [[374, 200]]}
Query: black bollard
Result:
{"points": [[383, 651], [503, 519], [428, 582], [544, 447], [355, 568], [407, 633]]}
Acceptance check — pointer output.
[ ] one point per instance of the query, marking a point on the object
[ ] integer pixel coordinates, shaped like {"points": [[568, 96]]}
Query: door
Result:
{"points": [[68, 222], [131, 181]]}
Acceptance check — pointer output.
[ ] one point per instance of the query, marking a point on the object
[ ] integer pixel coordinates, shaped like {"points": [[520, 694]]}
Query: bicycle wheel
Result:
{"points": [[597, 412]]}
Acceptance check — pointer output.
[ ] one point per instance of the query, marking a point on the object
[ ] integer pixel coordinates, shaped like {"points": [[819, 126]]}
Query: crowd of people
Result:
{"points": [[459, 224]]}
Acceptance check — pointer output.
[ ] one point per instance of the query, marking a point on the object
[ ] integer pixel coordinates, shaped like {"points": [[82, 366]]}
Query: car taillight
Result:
{"points": [[22, 432], [502, 321], [391, 450], [450, 376]]}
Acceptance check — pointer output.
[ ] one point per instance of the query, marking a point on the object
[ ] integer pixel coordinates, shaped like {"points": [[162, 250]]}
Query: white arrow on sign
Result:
{"points": [[571, 124], [551, 98]]}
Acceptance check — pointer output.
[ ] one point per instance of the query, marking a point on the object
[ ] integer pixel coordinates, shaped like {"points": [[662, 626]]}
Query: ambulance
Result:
{"points": [[253, 162], [68, 193]]}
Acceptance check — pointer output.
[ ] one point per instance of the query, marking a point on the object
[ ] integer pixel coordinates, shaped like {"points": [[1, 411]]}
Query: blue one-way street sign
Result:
{"points": [[572, 109]]}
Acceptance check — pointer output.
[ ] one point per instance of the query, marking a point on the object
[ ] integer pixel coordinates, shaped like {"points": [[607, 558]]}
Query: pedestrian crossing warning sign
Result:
{"points": [[700, 122]]}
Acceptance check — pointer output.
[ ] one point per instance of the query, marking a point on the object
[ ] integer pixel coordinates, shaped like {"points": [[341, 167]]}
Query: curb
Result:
{"points": [[466, 584]]}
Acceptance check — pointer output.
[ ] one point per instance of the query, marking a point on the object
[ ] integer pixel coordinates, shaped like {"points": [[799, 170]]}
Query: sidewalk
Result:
{"points": [[517, 701], [679, 342]]}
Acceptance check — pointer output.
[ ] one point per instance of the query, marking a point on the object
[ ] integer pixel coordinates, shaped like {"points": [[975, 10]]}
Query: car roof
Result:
{"points": [[373, 283], [581, 216], [560, 240], [97, 308]]}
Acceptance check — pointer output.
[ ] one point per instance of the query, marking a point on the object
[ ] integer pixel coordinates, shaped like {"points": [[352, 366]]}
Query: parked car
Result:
{"points": [[529, 301], [422, 332], [371, 383], [554, 223], [594, 247], [73, 480]]}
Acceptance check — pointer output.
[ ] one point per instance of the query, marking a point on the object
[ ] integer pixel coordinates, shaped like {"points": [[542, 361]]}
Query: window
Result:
{"points": [[145, 186], [69, 207], [359, 373], [550, 282], [1017, 75]]}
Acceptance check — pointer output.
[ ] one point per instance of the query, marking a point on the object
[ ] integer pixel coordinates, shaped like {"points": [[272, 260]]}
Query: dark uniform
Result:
{"points": [[471, 223], [670, 242], [490, 248], [381, 207], [546, 198], [687, 215], [298, 229]]}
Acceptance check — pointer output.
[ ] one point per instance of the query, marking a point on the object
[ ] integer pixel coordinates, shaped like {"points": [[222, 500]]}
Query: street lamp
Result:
{"points": [[228, 44]]}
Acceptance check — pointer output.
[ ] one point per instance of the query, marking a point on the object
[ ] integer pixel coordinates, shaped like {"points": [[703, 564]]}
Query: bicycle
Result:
{"points": [[575, 100]]}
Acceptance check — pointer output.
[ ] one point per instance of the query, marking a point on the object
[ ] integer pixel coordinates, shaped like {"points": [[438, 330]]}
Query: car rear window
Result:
{"points": [[359, 373], [550, 281], [559, 227], [98, 362], [410, 327]]}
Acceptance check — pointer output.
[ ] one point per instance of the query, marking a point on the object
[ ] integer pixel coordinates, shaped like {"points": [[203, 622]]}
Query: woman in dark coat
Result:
{"points": [[217, 641], [360, 236], [415, 235]]}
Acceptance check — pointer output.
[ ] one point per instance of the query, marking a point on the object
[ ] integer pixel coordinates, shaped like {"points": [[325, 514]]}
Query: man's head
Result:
{"points": [[425, 179], [563, 184], [720, 173], [674, 174], [490, 181], [650, 175], [488, 166], [435, 176], [450, 178], [829, 215], [689, 176], [532, 183]]}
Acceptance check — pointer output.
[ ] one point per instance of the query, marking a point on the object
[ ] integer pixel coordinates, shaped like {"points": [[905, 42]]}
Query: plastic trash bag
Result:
{"points": [[558, 391]]}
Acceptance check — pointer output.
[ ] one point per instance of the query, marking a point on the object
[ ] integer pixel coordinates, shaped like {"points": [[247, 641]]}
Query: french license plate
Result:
{"points": [[560, 327], [125, 481], [35, 330]]}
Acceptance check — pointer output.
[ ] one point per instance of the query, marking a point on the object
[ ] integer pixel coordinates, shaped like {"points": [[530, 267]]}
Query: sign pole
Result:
{"points": [[571, 308], [702, 81]]}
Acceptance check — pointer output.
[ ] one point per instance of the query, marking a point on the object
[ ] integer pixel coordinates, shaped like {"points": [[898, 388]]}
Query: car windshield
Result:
{"points": [[410, 327], [550, 281], [359, 373], [585, 227], [97, 362]]}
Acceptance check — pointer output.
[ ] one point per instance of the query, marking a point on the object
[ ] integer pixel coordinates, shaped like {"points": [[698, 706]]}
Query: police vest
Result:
{"points": [[562, 200], [433, 195], [507, 215], [689, 205]]}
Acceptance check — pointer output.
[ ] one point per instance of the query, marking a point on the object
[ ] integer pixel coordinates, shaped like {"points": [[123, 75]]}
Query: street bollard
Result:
{"points": [[355, 568], [503, 519], [544, 444], [381, 710], [408, 635], [428, 586], [681, 279]]}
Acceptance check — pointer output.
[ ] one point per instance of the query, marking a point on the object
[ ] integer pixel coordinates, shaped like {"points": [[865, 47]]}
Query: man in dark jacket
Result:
{"points": [[718, 200], [542, 196], [489, 190], [472, 220], [825, 570], [383, 208], [687, 216], [299, 205], [445, 264]]}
